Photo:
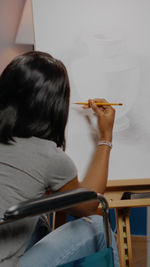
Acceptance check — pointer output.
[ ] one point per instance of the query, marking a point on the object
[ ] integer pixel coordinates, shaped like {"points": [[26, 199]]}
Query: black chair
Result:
{"points": [[60, 201]]}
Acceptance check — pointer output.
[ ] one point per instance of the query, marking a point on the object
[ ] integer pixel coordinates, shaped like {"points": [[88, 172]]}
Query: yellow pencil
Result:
{"points": [[100, 104]]}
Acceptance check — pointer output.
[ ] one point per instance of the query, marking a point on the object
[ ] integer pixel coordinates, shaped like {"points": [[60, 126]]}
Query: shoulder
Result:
{"points": [[61, 168], [62, 162], [59, 165]]}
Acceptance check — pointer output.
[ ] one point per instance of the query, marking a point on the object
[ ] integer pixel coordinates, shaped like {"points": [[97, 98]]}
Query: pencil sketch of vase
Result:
{"points": [[108, 71]]}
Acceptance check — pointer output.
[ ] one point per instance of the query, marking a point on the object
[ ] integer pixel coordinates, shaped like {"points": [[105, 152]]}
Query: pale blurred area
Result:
{"points": [[10, 17]]}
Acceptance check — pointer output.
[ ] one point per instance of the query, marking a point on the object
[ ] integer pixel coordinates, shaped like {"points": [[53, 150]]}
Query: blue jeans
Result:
{"points": [[71, 241]]}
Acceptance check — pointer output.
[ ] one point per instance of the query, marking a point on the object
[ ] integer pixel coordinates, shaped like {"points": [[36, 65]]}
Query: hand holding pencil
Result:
{"points": [[105, 116]]}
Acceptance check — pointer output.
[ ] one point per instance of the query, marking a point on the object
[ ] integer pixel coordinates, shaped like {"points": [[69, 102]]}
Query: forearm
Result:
{"points": [[95, 179], [96, 176], [97, 173]]}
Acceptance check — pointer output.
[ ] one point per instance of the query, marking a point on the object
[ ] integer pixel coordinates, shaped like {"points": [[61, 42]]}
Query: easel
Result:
{"points": [[113, 194]]}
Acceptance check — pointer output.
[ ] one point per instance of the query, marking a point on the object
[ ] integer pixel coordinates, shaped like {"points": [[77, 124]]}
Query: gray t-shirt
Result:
{"points": [[27, 168]]}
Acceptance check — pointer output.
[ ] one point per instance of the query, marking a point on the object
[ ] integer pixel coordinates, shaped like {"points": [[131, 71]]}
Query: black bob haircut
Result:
{"points": [[34, 98]]}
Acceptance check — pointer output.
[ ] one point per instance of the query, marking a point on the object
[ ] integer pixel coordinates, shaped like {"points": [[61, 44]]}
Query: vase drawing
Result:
{"points": [[108, 71]]}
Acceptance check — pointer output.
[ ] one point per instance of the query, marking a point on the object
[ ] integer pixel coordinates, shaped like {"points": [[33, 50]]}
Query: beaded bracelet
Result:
{"points": [[105, 143]]}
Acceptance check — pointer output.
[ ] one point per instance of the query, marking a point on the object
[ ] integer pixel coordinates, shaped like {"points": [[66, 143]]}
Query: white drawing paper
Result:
{"points": [[105, 45]]}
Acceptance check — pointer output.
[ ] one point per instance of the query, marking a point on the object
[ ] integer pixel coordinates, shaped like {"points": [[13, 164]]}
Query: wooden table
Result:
{"points": [[113, 194]]}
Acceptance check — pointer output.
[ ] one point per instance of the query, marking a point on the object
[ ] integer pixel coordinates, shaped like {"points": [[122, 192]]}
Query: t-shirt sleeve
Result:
{"points": [[61, 169]]}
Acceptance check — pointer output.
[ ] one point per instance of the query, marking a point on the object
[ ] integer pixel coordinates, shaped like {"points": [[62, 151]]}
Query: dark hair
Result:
{"points": [[34, 98]]}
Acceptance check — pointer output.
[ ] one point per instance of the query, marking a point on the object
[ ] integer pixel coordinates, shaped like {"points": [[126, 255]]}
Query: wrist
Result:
{"points": [[105, 143], [106, 138]]}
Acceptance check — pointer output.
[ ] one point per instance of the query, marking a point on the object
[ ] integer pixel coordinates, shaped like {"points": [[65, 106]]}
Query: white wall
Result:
{"points": [[10, 15]]}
